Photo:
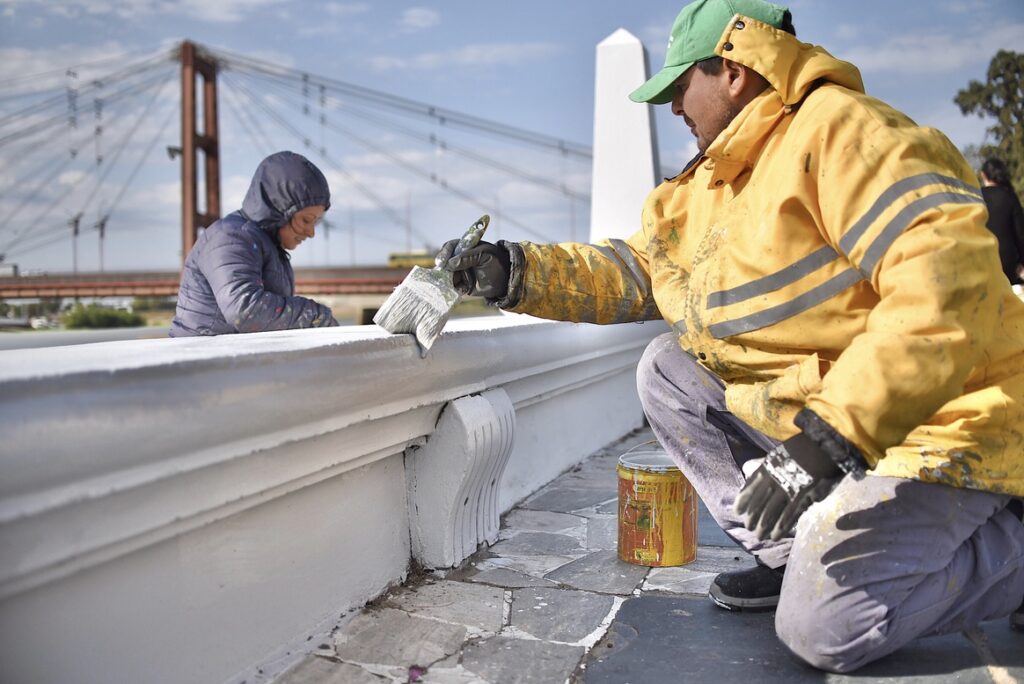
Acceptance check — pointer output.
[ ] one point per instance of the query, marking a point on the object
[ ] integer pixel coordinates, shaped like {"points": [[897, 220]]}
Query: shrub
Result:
{"points": [[95, 316]]}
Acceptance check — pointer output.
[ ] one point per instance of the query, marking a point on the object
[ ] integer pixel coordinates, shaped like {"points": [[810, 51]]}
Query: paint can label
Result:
{"points": [[657, 511]]}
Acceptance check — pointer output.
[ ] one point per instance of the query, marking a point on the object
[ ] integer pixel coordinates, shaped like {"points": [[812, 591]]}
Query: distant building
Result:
{"points": [[410, 259]]}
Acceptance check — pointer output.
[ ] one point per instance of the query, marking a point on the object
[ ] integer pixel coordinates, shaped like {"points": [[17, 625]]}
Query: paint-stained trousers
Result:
{"points": [[878, 563]]}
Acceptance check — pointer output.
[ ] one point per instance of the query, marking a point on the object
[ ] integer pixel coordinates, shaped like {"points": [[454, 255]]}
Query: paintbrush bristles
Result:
{"points": [[419, 305]]}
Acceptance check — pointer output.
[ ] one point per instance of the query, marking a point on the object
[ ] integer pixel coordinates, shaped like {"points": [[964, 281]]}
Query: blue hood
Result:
{"points": [[283, 184]]}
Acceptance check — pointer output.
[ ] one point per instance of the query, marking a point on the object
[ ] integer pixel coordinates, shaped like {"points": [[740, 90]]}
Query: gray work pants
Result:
{"points": [[878, 563]]}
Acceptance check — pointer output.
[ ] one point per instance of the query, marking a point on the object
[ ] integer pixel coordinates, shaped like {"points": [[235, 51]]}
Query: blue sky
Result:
{"points": [[529, 64]]}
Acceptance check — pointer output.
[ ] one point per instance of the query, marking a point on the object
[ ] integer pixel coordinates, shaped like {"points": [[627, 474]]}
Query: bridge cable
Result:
{"points": [[242, 63], [443, 184], [548, 184], [47, 167], [249, 122], [100, 179], [38, 126], [381, 204], [62, 71], [95, 84]]}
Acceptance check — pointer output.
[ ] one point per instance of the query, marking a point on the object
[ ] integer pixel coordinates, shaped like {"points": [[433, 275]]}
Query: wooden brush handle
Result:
{"points": [[473, 235]]}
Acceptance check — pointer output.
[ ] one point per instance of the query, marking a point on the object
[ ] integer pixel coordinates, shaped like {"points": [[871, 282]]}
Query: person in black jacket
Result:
{"points": [[1005, 217]]}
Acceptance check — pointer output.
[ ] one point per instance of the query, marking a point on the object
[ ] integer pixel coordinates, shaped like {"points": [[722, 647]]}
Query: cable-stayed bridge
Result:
{"points": [[96, 180]]}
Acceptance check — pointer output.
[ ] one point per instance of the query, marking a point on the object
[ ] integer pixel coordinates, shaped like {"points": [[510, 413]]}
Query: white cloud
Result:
{"points": [[418, 18], [221, 11], [346, 9], [16, 63], [324, 28], [163, 196], [920, 53], [964, 6], [70, 177], [961, 130], [478, 55], [848, 32], [218, 11], [655, 38]]}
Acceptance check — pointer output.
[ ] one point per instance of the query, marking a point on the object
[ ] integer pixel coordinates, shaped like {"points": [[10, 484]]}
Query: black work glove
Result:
{"points": [[794, 475], [482, 270]]}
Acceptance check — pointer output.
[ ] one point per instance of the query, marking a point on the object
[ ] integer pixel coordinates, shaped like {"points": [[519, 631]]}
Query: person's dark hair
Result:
{"points": [[712, 66], [995, 170]]}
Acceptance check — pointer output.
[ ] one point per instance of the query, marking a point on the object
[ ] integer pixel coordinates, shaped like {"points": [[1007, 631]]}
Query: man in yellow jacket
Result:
{"points": [[844, 379]]}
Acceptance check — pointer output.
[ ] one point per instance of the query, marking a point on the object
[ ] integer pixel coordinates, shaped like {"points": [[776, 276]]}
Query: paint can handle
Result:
{"points": [[641, 444]]}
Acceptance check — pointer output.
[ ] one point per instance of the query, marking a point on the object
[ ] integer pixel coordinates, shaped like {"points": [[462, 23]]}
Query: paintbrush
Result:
{"points": [[423, 301]]}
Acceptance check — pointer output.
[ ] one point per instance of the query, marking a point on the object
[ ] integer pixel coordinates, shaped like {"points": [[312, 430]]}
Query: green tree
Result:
{"points": [[95, 316], [1001, 97]]}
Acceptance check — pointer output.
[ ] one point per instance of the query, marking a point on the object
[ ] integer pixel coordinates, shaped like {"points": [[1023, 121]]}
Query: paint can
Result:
{"points": [[657, 510]]}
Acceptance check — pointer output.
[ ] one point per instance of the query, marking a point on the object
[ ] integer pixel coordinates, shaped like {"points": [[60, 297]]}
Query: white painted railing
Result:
{"points": [[177, 510], [183, 510]]}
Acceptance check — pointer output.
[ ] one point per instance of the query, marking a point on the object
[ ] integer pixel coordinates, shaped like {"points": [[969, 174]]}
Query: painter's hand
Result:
{"points": [[482, 270], [794, 475]]}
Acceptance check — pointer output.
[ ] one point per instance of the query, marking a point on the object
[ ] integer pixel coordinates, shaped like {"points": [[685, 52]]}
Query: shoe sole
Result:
{"points": [[742, 605]]}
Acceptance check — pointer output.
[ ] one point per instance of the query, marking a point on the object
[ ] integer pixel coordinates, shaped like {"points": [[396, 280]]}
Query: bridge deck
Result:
{"points": [[310, 281]]}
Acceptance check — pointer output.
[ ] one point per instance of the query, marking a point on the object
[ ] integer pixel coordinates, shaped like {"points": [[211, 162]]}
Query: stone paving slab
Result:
{"points": [[601, 572], [709, 533], [535, 566], [537, 544], [567, 499], [1003, 647], [657, 639], [558, 614], [317, 670], [696, 577], [503, 577], [475, 606], [504, 660], [603, 533], [524, 520], [394, 638]]}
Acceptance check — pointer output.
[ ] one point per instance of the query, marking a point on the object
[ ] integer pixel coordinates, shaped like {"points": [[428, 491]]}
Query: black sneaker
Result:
{"points": [[753, 590]]}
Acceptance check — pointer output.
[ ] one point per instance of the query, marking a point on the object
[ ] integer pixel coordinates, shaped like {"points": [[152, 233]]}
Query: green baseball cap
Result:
{"points": [[695, 34]]}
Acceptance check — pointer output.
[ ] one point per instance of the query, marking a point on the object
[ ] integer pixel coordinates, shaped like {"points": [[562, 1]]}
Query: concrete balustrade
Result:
{"points": [[177, 510], [186, 510]]}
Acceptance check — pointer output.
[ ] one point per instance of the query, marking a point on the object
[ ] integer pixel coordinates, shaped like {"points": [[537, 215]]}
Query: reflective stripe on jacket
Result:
{"points": [[825, 252]]}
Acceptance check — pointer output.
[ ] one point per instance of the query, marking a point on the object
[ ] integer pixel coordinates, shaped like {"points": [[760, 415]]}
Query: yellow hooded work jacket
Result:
{"points": [[828, 253]]}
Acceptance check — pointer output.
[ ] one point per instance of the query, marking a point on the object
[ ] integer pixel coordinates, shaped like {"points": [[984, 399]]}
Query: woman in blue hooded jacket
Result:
{"points": [[238, 278]]}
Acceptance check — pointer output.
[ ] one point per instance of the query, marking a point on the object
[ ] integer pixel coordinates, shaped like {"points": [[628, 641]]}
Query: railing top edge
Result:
{"points": [[358, 341]]}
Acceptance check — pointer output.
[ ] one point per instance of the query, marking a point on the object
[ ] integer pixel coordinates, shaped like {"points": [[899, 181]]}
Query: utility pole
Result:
{"points": [[75, 220], [102, 227], [194, 62], [408, 221]]}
